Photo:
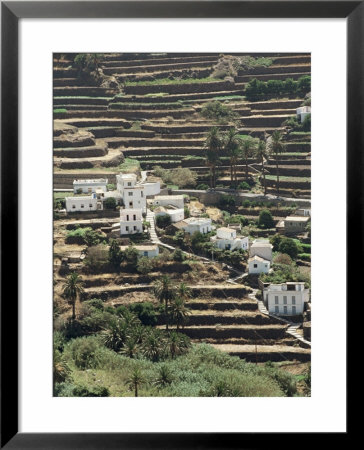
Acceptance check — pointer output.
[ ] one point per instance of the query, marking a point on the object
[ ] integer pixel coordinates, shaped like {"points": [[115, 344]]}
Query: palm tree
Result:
{"points": [[213, 146], [276, 147], [178, 311], [72, 288], [116, 334], [130, 348], [177, 344], [232, 148], [261, 154], [183, 291], [135, 379], [165, 291], [153, 345], [164, 376], [247, 150]]}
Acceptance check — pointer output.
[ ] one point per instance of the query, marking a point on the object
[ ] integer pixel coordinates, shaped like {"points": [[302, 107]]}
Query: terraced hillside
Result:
{"points": [[148, 107]]}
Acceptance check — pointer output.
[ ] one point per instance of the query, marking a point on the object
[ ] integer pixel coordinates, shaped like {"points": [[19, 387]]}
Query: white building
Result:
{"points": [[193, 224], [302, 112], [226, 239], [262, 249], [134, 193], [256, 264], [147, 250], [151, 189], [90, 186], [286, 298], [82, 204], [176, 214], [169, 200], [131, 221]]}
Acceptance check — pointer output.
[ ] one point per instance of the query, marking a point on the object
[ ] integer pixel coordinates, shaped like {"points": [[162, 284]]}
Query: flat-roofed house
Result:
{"points": [[200, 224], [166, 200], [262, 249], [295, 224], [83, 203], [90, 186], [226, 239], [176, 214], [286, 299]]}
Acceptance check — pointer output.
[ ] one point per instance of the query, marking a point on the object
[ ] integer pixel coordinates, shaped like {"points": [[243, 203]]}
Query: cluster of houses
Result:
{"points": [[136, 196]]}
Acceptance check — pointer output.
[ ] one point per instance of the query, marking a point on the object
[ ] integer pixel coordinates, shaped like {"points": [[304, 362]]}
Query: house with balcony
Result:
{"points": [[286, 299]]}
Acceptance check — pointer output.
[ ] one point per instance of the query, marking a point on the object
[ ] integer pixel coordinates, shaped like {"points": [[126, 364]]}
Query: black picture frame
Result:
{"points": [[11, 12]]}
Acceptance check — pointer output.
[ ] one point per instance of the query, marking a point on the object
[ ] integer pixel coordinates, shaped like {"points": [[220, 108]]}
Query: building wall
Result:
{"points": [[89, 188], [223, 234], [81, 204], [233, 244], [131, 227], [262, 267], [134, 198], [202, 228], [177, 201], [151, 188], [294, 226], [300, 298]]}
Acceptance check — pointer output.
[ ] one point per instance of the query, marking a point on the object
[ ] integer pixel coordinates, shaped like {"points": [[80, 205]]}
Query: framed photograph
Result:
{"points": [[177, 231]]}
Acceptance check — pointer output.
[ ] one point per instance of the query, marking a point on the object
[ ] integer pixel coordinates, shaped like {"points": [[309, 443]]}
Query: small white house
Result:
{"points": [[151, 189], [169, 200], [286, 298], [262, 249], [131, 221], [193, 224], [176, 214], [147, 250], [90, 186], [257, 264], [82, 204], [302, 112], [226, 239]]}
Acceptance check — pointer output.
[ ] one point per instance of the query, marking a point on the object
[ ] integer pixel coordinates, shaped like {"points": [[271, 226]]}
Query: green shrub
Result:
{"points": [[86, 352], [110, 203], [202, 187], [145, 312], [217, 111], [288, 246], [90, 391], [244, 185], [178, 255], [131, 256], [266, 220], [163, 221], [144, 265]]}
